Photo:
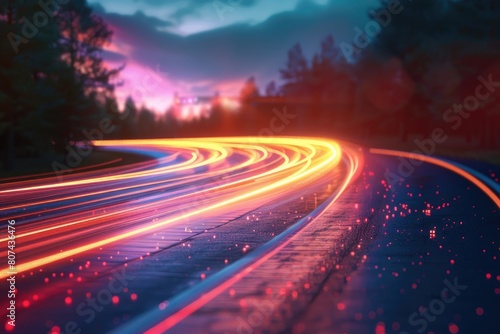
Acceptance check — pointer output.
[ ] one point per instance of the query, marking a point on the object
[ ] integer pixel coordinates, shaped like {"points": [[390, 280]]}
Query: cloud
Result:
{"points": [[113, 56], [232, 52], [192, 7]]}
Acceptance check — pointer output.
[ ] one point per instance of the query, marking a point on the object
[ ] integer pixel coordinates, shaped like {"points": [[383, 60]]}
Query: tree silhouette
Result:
{"points": [[28, 59], [249, 90], [82, 37], [271, 89], [53, 80], [129, 119], [295, 71]]}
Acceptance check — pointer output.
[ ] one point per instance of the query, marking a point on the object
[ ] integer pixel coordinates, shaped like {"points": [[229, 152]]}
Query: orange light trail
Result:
{"points": [[438, 162], [93, 209], [174, 319]]}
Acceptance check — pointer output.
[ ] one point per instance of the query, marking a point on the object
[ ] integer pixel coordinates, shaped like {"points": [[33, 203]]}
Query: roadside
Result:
{"points": [[452, 148], [432, 267], [30, 167]]}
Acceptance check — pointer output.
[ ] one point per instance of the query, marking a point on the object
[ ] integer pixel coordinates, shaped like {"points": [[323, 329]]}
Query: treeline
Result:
{"points": [[414, 67], [53, 80]]}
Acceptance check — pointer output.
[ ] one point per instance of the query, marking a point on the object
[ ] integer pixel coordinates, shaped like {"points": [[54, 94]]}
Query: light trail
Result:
{"points": [[95, 223], [93, 209], [222, 283], [456, 168]]}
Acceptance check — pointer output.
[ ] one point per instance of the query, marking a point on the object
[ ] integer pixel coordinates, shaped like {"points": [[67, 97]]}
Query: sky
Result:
{"points": [[199, 47]]}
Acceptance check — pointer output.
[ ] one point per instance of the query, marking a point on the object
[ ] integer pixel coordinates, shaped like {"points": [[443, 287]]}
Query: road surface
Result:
{"points": [[249, 235]]}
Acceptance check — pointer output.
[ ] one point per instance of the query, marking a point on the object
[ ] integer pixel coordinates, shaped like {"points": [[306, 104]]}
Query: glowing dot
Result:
{"points": [[380, 328], [68, 300], [479, 311], [488, 276], [9, 327], [203, 276], [163, 305], [35, 297], [340, 306], [133, 297], [26, 303], [115, 299], [55, 330], [453, 328]]}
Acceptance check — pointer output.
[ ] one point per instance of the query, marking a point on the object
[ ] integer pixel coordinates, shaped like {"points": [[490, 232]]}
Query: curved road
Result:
{"points": [[166, 244]]}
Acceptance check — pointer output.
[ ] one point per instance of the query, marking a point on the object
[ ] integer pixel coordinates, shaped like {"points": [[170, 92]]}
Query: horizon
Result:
{"points": [[150, 36]]}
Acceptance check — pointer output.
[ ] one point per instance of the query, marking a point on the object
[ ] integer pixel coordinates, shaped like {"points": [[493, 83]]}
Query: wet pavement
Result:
{"points": [[418, 258]]}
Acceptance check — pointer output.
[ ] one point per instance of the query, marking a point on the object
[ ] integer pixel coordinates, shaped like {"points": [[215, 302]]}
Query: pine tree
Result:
{"points": [[83, 35], [295, 71]]}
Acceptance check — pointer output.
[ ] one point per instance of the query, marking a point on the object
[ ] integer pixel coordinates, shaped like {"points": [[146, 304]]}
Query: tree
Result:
{"points": [[146, 123], [443, 47], [330, 53], [129, 119], [83, 34], [295, 71], [52, 77], [28, 56], [249, 90], [271, 89]]}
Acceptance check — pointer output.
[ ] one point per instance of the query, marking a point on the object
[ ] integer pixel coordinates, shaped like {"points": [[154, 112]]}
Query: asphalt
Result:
{"points": [[419, 257], [433, 269]]}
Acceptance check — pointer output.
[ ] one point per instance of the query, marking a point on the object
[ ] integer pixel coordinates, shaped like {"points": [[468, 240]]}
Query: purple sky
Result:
{"points": [[197, 47]]}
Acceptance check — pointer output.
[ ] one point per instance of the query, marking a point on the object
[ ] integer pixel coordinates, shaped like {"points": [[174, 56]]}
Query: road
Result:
{"points": [[223, 235]]}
